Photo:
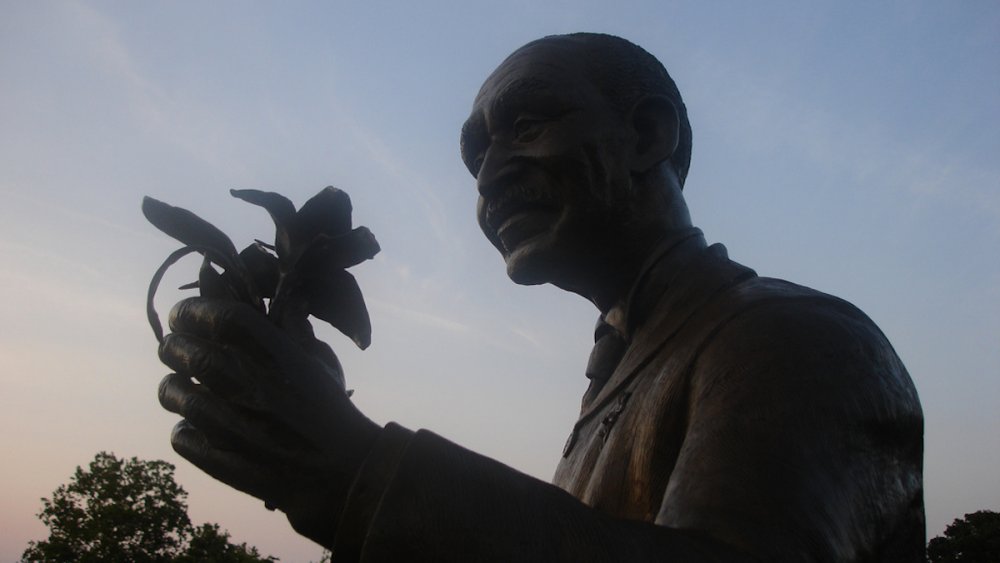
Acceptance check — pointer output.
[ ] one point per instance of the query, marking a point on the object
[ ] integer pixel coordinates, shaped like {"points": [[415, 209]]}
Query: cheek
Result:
{"points": [[574, 166], [600, 176]]}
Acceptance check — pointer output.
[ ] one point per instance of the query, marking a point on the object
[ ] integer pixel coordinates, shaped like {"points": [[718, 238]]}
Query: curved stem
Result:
{"points": [[154, 284], [227, 262]]}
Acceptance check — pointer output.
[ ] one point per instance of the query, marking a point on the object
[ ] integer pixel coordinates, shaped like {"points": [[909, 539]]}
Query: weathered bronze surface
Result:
{"points": [[730, 417]]}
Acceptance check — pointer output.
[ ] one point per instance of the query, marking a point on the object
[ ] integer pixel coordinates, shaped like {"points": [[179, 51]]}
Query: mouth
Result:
{"points": [[519, 213], [515, 200]]}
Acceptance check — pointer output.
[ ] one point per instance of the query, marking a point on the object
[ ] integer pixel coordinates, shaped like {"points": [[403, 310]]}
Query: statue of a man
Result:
{"points": [[729, 417]]}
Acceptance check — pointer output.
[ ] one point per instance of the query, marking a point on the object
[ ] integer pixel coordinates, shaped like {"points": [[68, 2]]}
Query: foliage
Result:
{"points": [[127, 510], [972, 539], [208, 543]]}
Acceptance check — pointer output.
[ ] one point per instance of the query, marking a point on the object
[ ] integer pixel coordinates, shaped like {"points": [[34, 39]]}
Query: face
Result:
{"points": [[550, 160]]}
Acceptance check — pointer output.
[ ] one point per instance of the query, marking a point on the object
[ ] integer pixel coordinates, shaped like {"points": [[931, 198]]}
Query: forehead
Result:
{"points": [[539, 70]]}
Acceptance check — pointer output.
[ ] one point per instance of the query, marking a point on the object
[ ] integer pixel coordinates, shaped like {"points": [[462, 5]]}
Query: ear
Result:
{"points": [[657, 129]]}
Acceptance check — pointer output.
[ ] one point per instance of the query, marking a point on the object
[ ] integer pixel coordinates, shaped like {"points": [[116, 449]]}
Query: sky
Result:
{"points": [[847, 146]]}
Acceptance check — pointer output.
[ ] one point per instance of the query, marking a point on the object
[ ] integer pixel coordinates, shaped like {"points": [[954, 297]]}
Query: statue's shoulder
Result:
{"points": [[779, 308], [785, 334], [721, 289]]}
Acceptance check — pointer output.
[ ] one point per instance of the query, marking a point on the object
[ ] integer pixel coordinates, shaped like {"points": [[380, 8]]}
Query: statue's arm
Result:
{"points": [[423, 498], [271, 419], [803, 446], [804, 439], [796, 432]]}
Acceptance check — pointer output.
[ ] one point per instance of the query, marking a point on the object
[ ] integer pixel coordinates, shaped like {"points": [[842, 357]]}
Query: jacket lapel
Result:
{"points": [[683, 293]]}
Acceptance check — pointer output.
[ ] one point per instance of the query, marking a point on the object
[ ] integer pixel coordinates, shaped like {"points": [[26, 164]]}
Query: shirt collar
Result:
{"points": [[655, 276]]}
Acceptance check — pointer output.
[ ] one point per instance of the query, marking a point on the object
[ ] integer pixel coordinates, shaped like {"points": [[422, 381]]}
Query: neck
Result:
{"points": [[658, 211]]}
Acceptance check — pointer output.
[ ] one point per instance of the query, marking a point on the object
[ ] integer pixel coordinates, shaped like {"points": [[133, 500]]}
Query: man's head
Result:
{"points": [[572, 139], [625, 73]]}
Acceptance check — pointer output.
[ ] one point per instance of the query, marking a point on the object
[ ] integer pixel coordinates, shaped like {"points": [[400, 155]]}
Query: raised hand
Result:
{"points": [[261, 413], [263, 401]]}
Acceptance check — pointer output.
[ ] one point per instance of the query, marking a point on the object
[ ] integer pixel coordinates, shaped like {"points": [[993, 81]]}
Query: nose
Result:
{"points": [[500, 164], [489, 171]]}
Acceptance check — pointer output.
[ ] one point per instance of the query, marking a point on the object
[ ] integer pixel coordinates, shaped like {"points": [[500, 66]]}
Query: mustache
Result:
{"points": [[517, 196]]}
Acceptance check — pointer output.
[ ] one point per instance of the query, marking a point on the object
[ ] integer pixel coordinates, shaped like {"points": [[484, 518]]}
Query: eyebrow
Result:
{"points": [[471, 131], [516, 89], [513, 93]]}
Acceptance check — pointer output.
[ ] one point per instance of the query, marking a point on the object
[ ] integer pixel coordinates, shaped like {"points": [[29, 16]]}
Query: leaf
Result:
{"points": [[336, 298], [336, 253], [328, 212], [282, 212], [265, 245], [187, 227]]}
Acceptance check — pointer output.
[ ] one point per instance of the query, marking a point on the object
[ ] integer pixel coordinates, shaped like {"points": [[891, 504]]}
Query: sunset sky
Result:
{"points": [[847, 146]]}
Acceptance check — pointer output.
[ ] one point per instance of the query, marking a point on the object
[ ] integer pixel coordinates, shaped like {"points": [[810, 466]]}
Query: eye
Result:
{"points": [[473, 156], [528, 128]]}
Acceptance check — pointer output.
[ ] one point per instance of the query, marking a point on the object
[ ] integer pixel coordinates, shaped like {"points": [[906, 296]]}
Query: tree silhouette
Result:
{"points": [[128, 510], [972, 539]]}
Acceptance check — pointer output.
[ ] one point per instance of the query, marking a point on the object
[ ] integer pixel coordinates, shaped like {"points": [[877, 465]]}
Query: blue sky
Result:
{"points": [[846, 146]]}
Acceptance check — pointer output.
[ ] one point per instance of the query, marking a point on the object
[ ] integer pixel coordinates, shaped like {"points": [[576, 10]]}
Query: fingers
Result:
{"points": [[251, 341], [178, 394], [226, 321], [225, 425], [207, 362], [229, 467]]}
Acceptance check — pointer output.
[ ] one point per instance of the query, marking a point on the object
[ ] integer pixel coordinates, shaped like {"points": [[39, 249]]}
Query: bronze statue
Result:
{"points": [[730, 417]]}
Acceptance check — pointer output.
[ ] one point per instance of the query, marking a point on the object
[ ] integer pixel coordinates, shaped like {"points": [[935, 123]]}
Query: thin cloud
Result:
{"points": [[405, 178], [532, 338], [186, 125], [861, 148], [420, 317]]}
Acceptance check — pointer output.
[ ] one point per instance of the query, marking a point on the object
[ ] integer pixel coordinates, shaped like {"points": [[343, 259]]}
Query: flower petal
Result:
{"points": [[328, 212], [282, 212], [336, 298], [339, 252]]}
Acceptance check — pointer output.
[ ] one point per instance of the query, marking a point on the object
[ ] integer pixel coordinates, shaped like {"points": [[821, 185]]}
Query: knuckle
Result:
{"points": [[184, 438], [173, 352], [179, 313], [187, 355], [168, 350], [192, 403], [202, 315], [164, 392]]}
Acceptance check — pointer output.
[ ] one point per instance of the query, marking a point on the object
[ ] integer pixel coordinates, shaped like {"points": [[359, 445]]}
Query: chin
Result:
{"points": [[529, 265], [525, 276]]}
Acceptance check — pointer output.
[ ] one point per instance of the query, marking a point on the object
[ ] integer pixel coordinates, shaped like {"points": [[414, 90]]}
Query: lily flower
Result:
{"points": [[303, 273]]}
